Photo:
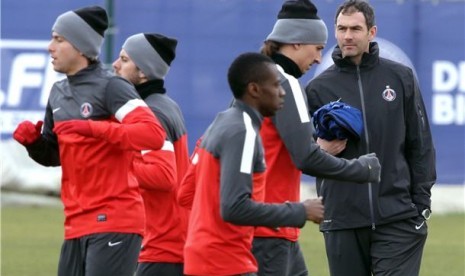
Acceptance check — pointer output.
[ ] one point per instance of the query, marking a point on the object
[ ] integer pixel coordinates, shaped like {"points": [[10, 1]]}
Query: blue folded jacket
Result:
{"points": [[337, 120]]}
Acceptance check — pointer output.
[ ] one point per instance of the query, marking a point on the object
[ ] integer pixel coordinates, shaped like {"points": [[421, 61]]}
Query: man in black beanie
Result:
{"points": [[295, 44], [94, 121], [144, 60]]}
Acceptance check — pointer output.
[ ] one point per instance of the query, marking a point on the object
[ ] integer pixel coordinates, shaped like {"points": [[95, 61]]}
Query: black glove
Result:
{"points": [[373, 165]]}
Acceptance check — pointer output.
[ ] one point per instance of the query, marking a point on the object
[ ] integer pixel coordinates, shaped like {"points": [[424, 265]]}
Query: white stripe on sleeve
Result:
{"points": [[195, 160], [128, 107], [249, 145], [167, 146]]}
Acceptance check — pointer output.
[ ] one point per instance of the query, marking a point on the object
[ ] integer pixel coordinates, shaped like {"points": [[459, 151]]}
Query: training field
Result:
{"points": [[31, 238]]}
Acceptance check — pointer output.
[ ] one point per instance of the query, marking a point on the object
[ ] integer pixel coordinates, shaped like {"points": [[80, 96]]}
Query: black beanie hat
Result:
{"points": [[96, 17], [84, 28], [298, 22], [164, 46], [152, 53], [298, 9]]}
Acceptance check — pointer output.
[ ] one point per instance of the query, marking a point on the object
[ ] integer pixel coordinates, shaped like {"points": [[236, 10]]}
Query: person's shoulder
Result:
{"points": [[229, 115], [163, 103], [226, 125], [169, 100], [394, 65], [61, 82], [118, 79], [174, 105], [231, 121], [104, 75], [117, 82], [327, 74]]}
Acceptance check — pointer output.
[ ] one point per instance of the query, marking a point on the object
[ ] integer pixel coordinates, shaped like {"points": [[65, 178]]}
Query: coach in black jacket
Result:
{"points": [[383, 225]]}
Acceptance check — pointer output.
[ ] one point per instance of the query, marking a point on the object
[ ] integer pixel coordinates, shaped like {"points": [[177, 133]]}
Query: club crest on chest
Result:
{"points": [[389, 94], [86, 110]]}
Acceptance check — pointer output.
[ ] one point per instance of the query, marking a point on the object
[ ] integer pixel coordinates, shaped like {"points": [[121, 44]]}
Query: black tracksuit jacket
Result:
{"points": [[396, 128]]}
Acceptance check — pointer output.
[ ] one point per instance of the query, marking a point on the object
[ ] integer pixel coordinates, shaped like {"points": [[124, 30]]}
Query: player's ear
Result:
{"points": [[141, 74], [253, 89], [372, 33]]}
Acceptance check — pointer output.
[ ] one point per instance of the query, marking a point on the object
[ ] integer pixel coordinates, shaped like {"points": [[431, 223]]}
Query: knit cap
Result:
{"points": [[84, 28], [152, 53], [298, 22]]}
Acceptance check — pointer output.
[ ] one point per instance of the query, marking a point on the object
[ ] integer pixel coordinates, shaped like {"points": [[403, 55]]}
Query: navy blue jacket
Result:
{"points": [[337, 120]]}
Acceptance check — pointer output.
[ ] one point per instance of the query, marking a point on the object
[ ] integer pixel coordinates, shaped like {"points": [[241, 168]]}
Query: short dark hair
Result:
{"points": [[247, 68], [352, 6]]}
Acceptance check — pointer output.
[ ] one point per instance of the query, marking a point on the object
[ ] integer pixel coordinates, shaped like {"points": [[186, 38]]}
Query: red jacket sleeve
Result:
{"points": [[156, 170], [186, 191], [181, 152], [139, 129]]}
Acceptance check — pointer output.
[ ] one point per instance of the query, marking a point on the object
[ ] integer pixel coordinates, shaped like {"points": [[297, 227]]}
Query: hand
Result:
{"points": [[80, 127], [27, 133], [373, 165], [314, 209], [333, 147]]}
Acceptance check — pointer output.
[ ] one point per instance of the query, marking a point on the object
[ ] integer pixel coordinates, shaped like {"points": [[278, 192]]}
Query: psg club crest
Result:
{"points": [[389, 94], [86, 110]]}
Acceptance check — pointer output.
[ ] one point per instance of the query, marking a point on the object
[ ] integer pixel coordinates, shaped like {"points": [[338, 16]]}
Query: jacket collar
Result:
{"points": [[150, 87], [289, 66], [256, 117], [84, 73], [369, 59]]}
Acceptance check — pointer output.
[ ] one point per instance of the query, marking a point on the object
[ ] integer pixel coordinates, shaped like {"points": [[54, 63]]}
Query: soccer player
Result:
{"points": [[93, 122], [145, 60], [295, 44], [229, 177]]}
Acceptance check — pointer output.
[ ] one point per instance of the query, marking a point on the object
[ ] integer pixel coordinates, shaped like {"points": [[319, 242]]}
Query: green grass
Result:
{"points": [[31, 239]]}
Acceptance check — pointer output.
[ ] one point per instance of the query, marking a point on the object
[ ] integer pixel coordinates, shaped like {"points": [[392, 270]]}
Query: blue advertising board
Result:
{"points": [[430, 35]]}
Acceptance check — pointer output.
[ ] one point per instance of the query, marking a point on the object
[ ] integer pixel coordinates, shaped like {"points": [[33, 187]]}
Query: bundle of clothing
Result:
{"points": [[338, 120]]}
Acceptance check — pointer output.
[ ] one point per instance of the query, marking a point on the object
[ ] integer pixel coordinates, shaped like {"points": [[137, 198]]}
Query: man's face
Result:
{"points": [[126, 68], [307, 55], [65, 58], [352, 35], [271, 93]]}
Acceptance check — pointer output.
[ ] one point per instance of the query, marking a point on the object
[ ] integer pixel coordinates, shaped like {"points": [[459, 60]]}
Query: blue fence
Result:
{"points": [[431, 34]]}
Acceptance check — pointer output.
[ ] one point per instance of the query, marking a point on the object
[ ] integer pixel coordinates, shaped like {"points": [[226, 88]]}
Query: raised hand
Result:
{"points": [[27, 133]]}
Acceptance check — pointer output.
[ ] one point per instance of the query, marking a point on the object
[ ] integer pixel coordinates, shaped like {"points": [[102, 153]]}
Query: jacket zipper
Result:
{"points": [[370, 189]]}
